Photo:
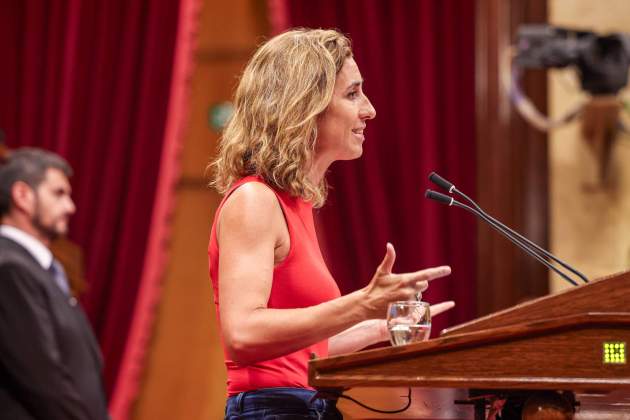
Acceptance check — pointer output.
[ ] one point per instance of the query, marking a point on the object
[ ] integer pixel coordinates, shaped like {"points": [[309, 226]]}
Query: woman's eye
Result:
{"points": [[353, 95]]}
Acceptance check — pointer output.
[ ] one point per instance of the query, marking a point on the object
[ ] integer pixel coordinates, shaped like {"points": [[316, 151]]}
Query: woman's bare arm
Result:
{"points": [[370, 332], [251, 224]]}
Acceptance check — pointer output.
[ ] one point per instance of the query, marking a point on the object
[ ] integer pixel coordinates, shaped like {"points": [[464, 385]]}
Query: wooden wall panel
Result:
{"points": [[185, 377], [214, 82], [232, 26], [590, 216]]}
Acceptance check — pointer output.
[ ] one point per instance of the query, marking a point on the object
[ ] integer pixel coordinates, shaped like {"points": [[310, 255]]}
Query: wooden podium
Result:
{"points": [[574, 341]]}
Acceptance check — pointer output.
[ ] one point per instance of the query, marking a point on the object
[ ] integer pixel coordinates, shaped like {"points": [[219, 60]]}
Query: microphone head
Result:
{"points": [[441, 182], [442, 198]]}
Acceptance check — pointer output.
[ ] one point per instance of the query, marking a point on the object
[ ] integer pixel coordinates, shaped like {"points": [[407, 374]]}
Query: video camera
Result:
{"points": [[602, 61]]}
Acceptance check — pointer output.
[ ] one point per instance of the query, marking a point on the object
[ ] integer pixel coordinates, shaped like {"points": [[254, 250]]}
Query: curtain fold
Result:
{"points": [[95, 82], [417, 59]]}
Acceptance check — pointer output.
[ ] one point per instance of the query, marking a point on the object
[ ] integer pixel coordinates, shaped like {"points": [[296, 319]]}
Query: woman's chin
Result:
{"points": [[350, 153], [355, 153]]}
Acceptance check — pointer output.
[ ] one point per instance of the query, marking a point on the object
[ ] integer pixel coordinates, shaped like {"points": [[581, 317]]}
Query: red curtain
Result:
{"points": [[91, 80], [417, 59]]}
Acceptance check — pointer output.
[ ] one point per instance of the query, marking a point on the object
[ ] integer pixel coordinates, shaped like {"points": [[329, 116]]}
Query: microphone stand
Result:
{"points": [[522, 242], [441, 182], [442, 198]]}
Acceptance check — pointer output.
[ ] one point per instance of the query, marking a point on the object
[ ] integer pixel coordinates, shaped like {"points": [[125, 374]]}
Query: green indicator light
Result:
{"points": [[614, 352]]}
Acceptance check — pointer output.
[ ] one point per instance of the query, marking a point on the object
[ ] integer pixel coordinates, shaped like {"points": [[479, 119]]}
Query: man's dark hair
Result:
{"points": [[28, 165]]}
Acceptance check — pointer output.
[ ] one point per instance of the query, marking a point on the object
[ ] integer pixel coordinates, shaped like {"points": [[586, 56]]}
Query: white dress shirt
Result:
{"points": [[33, 245], [42, 254]]}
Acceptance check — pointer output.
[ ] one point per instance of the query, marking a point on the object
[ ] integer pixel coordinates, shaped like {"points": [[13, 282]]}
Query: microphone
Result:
{"points": [[525, 244], [441, 182], [442, 198]]}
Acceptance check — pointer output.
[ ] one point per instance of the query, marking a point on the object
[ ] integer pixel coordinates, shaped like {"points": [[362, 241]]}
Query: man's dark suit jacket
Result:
{"points": [[50, 364]]}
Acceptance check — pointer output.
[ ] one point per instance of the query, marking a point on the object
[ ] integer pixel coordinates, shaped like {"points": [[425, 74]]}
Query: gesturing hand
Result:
{"points": [[386, 287]]}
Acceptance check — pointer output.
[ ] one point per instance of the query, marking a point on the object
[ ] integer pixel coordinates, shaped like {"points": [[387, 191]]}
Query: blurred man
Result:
{"points": [[50, 364]]}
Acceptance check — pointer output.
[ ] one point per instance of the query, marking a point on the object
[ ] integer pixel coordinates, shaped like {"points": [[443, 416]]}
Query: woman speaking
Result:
{"points": [[299, 107]]}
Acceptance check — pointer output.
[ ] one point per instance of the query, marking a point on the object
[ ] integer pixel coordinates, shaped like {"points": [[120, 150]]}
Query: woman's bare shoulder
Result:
{"points": [[252, 207]]}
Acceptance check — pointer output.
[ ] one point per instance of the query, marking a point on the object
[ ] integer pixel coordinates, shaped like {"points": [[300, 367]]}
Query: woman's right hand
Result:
{"points": [[386, 287]]}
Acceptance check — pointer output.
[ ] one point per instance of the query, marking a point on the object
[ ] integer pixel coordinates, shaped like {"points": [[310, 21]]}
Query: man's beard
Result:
{"points": [[47, 231]]}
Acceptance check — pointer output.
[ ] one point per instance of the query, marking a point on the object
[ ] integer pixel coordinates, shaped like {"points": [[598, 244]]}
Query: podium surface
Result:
{"points": [[575, 341]]}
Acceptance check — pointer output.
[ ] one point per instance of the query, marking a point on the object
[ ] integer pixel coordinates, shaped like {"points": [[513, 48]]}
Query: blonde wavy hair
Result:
{"points": [[285, 86]]}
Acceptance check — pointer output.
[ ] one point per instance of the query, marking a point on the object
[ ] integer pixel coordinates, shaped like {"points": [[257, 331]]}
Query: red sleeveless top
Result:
{"points": [[300, 280]]}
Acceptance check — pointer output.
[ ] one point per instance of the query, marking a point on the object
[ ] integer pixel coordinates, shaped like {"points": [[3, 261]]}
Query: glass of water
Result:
{"points": [[408, 322]]}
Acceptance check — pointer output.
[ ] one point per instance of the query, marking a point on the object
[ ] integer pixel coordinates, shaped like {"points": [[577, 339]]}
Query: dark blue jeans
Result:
{"points": [[280, 404]]}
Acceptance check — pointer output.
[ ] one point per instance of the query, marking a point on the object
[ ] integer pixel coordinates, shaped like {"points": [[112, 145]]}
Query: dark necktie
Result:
{"points": [[56, 269]]}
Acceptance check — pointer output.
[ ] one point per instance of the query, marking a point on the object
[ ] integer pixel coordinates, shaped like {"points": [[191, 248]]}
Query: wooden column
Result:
{"points": [[511, 161]]}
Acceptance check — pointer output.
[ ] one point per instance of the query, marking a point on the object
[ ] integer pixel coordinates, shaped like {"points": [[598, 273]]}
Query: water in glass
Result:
{"points": [[408, 322]]}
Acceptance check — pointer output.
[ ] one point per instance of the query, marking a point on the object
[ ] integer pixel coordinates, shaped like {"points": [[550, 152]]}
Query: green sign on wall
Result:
{"points": [[219, 115]]}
